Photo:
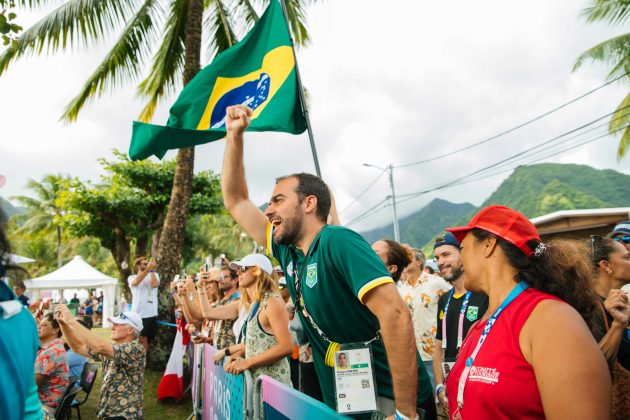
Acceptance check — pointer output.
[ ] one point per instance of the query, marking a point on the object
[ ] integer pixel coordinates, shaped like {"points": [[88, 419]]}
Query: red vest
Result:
{"points": [[501, 384]]}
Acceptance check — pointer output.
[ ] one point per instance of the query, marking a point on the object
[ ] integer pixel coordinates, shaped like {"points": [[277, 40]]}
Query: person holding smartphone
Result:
{"points": [[144, 289]]}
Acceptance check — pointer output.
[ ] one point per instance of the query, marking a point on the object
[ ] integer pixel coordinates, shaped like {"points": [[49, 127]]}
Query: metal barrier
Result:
{"points": [[217, 394], [221, 395]]}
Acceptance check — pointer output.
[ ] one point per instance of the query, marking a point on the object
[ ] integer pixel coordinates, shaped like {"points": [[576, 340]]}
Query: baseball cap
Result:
{"points": [[251, 260], [503, 222], [130, 318], [621, 227], [282, 281], [447, 239], [278, 269]]}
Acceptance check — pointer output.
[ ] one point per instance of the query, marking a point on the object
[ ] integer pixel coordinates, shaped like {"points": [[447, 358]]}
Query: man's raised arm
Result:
{"points": [[233, 185]]}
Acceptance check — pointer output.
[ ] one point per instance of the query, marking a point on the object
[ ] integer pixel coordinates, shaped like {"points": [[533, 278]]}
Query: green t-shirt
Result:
{"points": [[340, 270]]}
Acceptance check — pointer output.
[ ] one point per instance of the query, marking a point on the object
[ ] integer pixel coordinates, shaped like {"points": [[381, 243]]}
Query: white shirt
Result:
{"points": [[422, 301], [144, 300]]}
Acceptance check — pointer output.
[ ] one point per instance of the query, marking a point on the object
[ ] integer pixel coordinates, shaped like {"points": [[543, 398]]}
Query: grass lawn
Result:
{"points": [[153, 409]]}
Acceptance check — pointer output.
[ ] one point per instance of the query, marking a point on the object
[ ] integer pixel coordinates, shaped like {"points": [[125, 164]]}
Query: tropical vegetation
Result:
{"points": [[167, 37], [615, 53]]}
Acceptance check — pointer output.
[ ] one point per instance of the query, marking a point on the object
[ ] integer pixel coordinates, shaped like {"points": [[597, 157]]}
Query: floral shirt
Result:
{"points": [[52, 362], [422, 300], [123, 377]]}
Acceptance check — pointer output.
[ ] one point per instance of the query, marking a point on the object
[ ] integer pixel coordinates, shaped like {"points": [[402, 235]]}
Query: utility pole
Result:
{"points": [[390, 173]]}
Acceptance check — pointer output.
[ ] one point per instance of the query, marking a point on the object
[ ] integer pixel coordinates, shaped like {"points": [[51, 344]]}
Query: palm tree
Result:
{"points": [[42, 212], [614, 52], [172, 32]]}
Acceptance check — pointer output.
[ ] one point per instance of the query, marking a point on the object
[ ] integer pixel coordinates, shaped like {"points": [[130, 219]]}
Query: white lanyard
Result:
{"points": [[460, 326], [517, 290]]}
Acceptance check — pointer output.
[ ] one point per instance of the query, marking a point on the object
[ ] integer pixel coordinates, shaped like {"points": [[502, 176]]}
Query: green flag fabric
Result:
{"points": [[259, 72]]}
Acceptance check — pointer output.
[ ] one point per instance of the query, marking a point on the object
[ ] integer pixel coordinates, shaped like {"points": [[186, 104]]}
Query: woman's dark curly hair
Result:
{"points": [[564, 270]]}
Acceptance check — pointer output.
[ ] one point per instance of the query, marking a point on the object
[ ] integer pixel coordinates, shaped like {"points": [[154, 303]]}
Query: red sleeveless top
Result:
{"points": [[501, 383]]}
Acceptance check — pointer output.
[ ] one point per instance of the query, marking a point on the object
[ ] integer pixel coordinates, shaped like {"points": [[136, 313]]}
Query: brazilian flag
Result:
{"points": [[259, 72]]}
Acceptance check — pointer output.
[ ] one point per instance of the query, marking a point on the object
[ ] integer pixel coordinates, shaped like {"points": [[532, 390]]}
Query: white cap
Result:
{"points": [[251, 260], [282, 281], [130, 318]]}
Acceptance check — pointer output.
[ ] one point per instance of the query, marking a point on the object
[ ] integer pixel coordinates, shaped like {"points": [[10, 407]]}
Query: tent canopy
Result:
{"points": [[77, 274], [18, 259]]}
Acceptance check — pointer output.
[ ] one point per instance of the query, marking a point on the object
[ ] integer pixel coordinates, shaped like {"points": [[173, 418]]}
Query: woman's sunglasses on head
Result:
{"points": [[624, 239]]}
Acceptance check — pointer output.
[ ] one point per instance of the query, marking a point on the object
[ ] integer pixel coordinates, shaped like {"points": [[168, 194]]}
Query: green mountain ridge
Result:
{"points": [[547, 187], [421, 226], [534, 190], [9, 209]]}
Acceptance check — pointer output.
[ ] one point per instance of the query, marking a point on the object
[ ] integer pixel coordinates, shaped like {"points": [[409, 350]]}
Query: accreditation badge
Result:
{"points": [[355, 381]]}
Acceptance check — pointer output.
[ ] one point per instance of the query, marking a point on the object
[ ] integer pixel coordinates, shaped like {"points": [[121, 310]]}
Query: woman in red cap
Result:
{"points": [[531, 356]]}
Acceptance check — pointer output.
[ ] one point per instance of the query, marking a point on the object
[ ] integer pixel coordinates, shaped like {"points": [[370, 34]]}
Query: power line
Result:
{"points": [[530, 149], [463, 180], [367, 212], [496, 136], [362, 192]]}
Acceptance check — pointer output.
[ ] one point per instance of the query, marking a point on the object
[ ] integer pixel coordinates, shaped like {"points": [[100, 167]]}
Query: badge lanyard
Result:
{"points": [[517, 290], [460, 326], [300, 305]]}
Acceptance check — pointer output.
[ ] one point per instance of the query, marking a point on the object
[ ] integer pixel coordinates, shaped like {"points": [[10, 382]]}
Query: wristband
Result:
{"points": [[400, 416], [227, 351], [439, 388]]}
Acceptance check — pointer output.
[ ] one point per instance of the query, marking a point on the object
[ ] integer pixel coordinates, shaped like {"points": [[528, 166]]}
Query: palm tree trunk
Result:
{"points": [[59, 247], [174, 229]]}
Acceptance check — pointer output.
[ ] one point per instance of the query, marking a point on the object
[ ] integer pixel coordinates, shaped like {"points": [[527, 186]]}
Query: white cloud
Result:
{"points": [[389, 82]]}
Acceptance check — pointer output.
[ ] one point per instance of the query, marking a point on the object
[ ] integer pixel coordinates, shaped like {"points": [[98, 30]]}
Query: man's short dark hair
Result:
{"points": [[20, 285], [54, 323], [233, 272], [309, 184]]}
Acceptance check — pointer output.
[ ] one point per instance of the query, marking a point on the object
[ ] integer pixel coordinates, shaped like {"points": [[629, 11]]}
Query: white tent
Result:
{"points": [[18, 259], [77, 274]]}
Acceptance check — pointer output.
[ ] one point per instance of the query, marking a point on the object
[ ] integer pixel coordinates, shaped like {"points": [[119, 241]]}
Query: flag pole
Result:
{"points": [[301, 89]]}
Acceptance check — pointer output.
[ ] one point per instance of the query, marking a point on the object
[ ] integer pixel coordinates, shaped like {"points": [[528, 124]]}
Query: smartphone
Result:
{"points": [[207, 264], [176, 278]]}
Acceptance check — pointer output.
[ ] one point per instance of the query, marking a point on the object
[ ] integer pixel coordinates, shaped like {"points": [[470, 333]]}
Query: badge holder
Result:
{"points": [[355, 379]]}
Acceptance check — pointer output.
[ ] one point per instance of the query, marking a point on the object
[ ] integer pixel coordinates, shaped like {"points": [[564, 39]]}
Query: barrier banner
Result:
{"points": [[282, 402], [222, 393]]}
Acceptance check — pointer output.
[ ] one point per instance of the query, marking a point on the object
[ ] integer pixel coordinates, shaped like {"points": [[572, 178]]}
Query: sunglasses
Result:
{"points": [[243, 269], [624, 239]]}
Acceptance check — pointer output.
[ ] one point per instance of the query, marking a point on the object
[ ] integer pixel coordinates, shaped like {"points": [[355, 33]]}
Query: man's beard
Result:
{"points": [[457, 273], [291, 229]]}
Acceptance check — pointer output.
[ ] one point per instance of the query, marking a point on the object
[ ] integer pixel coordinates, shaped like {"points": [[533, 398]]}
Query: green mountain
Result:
{"points": [[547, 187], [420, 227], [9, 209], [534, 190]]}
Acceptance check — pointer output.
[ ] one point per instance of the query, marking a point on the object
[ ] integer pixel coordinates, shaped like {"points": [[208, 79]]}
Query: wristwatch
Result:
{"points": [[439, 388], [227, 351]]}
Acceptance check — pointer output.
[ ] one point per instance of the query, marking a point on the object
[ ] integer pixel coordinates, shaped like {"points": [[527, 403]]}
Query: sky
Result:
{"points": [[389, 83]]}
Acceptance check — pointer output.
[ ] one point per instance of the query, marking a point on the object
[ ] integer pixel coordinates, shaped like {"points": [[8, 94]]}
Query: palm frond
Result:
{"points": [[246, 13], [610, 11], [614, 51], [620, 122], [77, 21], [123, 62], [219, 26], [296, 13], [168, 61]]}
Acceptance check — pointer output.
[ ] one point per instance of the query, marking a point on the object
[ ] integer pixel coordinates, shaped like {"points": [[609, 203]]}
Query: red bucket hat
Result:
{"points": [[503, 222]]}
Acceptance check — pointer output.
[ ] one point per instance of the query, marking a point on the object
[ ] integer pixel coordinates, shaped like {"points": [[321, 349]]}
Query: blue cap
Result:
{"points": [[621, 227], [447, 239]]}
